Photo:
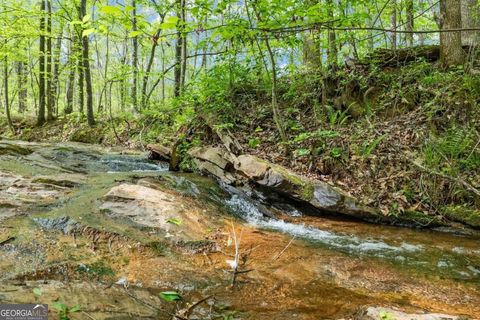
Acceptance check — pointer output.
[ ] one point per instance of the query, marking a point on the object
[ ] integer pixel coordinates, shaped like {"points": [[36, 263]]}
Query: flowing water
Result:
{"points": [[65, 231]]}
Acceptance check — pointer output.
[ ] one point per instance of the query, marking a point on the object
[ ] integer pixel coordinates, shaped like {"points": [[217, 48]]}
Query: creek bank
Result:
{"points": [[251, 170]]}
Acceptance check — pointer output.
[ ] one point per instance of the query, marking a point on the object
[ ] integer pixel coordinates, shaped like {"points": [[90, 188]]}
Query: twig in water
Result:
{"points": [[284, 249]]}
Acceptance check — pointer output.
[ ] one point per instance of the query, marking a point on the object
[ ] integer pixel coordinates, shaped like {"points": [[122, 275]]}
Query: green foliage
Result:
{"points": [[453, 151], [384, 315], [170, 296], [65, 311], [369, 147], [174, 221], [253, 143]]}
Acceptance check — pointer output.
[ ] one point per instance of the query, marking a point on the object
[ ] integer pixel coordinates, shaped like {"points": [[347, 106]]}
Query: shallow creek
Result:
{"points": [[108, 230]]}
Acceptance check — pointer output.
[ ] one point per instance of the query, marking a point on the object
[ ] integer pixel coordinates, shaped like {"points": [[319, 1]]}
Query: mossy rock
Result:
{"points": [[416, 219], [13, 149], [88, 135], [464, 215]]}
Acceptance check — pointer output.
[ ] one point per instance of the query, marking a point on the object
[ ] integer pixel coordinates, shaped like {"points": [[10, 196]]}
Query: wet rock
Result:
{"points": [[17, 191], [64, 180], [231, 169], [196, 247], [252, 167], [64, 224], [153, 208], [379, 313], [215, 161], [159, 152], [14, 149]]}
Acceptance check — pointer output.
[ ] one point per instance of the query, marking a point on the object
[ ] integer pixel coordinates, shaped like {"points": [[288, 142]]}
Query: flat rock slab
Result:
{"points": [[18, 192], [148, 207], [379, 313]]}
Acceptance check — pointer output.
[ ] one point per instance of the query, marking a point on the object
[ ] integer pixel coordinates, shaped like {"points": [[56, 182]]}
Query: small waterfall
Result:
{"points": [[248, 210], [130, 163]]}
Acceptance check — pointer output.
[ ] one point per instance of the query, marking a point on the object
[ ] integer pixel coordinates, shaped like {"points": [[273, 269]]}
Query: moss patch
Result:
{"points": [[462, 214]]}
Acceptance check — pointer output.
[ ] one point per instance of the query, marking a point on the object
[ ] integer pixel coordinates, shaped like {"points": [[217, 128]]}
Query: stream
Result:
{"points": [[108, 230]]}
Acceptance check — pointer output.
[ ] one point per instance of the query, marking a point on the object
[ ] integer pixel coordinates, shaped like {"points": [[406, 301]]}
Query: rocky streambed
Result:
{"points": [[102, 233]]}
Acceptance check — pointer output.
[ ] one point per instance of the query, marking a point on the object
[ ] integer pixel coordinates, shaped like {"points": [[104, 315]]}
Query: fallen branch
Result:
{"points": [[284, 249], [9, 239], [467, 185]]}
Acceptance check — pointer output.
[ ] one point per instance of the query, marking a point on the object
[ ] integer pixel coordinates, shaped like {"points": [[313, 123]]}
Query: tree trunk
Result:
{"points": [[80, 69], [277, 116], [451, 52], [50, 96], [41, 68], [393, 24], [86, 67], [178, 52], [184, 48], [5, 87], [71, 76], [56, 71], [149, 67], [312, 55], [22, 87], [470, 19], [409, 25], [332, 39], [134, 56]]}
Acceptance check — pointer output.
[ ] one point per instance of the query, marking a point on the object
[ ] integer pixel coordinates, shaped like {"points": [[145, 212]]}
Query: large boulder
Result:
{"points": [[319, 194]]}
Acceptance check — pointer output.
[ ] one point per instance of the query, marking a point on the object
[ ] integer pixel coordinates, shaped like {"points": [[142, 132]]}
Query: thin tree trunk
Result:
{"points": [[5, 87], [393, 24], [41, 68], [451, 52], [277, 117], [134, 56], [50, 96], [56, 70], [332, 39], [149, 68], [470, 19], [184, 48], [80, 69], [71, 76], [409, 26], [22, 87], [178, 52], [86, 67]]}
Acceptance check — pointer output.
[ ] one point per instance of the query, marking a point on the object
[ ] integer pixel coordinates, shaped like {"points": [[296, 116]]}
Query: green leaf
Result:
{"points": [[170, 23], [59, 306], [87, 32], [302, 152], [86, 18], [134, 34], [76, 308], [174, 221], [103, 29], [113, 10], [170, 296], [37, 292]]}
